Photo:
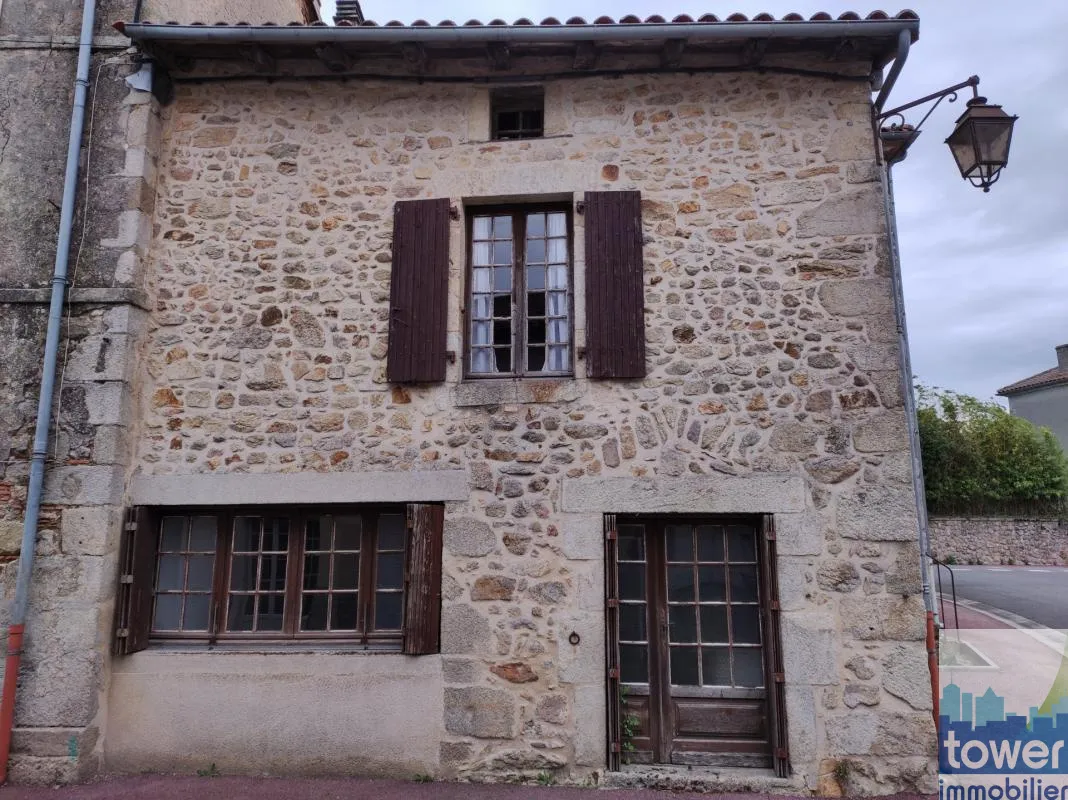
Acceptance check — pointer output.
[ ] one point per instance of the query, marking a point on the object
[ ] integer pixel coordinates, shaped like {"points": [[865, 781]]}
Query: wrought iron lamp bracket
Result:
{"points": [[949, 93]]}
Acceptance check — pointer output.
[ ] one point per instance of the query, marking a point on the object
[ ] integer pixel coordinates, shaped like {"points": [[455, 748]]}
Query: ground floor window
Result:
{"points": [[694, 662], [358, 575]]}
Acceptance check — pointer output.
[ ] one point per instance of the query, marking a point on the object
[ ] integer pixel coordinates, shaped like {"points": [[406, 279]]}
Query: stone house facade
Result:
{"points": [[516, 404], [1043, 398]]}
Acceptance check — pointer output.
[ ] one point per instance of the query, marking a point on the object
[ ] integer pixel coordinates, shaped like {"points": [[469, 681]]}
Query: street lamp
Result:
{"points": [[979, 144]]}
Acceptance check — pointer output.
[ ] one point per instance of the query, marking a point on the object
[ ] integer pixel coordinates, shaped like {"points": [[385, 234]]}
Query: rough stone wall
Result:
{"points": [[65, 662], [1000, 540], [772, 364], [253, 11]]}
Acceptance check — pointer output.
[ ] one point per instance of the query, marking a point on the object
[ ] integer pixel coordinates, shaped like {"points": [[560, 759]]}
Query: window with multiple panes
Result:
{"points": [[518, 113], [519, 292], [358, 575]]}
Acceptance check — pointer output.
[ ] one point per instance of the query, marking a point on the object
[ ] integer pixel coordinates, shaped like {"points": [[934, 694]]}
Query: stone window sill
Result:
{"points": [[519, 390]]}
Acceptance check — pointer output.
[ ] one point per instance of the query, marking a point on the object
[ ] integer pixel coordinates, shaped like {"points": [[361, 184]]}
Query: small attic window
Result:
{"points": [[518, 113]]}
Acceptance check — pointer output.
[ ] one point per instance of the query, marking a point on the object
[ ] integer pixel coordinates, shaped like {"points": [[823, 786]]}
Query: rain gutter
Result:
{"points": [[520, 34], [48, 380]]}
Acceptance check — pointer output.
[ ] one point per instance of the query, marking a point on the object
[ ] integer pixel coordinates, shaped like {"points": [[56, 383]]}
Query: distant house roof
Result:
{"points": [[1051, 377]]}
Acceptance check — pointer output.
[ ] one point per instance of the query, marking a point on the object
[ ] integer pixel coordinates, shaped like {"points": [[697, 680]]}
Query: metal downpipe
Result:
{"points": [[48, 380]]}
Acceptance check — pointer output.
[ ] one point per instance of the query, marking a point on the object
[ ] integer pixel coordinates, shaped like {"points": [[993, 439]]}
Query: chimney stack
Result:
{"points": [[349, 11], [1062, 356]]}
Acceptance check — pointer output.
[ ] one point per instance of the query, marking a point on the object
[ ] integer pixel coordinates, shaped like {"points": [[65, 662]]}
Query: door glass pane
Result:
{"points": [[197, 612], [633, 663], [202, 534], [315, 531], [712, 584], [745, 622], [714, 624], [631, 543], [270, 616], [679, 543], [709, 543], [246, 534], [741, 543], [243, 573], [748, 666], [313, 612], [684, 666], [743, 584], [173, 534], [168, 612], [682, 622], [343, 612], [391, 531], [632, 581], [276, 534], [273, 573], [346, 570], [387, 610], [316, 571], [241, 613], [716, 664], [680, 584], [632, 622]]}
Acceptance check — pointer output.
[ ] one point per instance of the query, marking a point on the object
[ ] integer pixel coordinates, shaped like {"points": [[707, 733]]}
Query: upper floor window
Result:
{"points": [[518, 113], [519, 292]]}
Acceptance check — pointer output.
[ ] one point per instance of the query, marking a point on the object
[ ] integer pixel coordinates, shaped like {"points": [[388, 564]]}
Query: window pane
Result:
{"points": [[682, 623], [315, 531], [481, 280], [502, 305], [246, 534], [390, 574], [502, 332], [347, 533], [535, 278], [684, 666], [631, 543], [504, 360], [557, 224], [171, 569], [197, 612], [480, 332], [557, 251], [502, 227], [714, 624], [536, 331], [343, 612], [748, 666], [276, 534], [346, 571], [558, 304], [633, 663], [482, 227], [387, 611], [481, 361], [535, 225], [712, 584], [481, 306], [535, 359], [481, 254], [632, 581], [716, 665], [743, 584], [391, 531], [273, 573], [270, 616], [316, 571], [172, 536], [243, 573], [559, 359], [202, 534], [313, 612], [679, 543], [201, 570], [502, 279], [680, 584], [745, 622], [241, 613], [536, 251], [709, 543], [632, 622], [536, 304], [741, 543], [558, 331], [558, 277], [168, 612], [502, 254]]}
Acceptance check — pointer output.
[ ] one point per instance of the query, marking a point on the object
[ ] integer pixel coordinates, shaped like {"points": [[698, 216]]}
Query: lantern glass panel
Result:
{"points": [[992, 137]]}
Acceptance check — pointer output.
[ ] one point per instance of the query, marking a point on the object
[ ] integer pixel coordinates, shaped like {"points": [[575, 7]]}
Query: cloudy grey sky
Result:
{"points": [[986, 275]]}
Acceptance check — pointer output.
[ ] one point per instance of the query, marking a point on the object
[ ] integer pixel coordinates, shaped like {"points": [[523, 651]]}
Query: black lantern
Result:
{"points": [[980, 143]]}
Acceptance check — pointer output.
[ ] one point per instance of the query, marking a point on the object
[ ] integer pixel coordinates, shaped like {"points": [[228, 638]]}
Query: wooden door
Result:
{"points": [[692, 623]]}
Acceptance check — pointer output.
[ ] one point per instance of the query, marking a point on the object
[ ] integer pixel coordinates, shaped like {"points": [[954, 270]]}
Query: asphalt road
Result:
{"points": [[1037, 593]]}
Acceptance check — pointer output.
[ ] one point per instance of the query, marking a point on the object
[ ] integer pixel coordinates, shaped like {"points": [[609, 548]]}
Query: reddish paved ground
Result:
{"points": [[174, 788], [969, 618]]}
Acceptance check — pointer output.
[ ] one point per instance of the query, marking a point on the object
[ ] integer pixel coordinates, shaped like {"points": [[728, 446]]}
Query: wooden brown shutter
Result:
{"points": [[611, 626], [418, 293], [137, 568], [422, 613], [615, 286], [769, 582]]}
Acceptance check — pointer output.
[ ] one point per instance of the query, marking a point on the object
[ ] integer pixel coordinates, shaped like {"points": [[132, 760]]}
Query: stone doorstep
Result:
{"points": [[703, 780]]}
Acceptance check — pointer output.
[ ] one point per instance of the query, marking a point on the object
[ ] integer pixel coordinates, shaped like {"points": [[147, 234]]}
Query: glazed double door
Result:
{"points": [[693, 642]]}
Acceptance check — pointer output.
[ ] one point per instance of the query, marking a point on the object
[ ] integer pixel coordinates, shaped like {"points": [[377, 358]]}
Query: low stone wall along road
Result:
{"points": [[1037, 593]]}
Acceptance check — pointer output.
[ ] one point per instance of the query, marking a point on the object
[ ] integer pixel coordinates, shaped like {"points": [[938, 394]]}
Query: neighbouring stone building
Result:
{"points": [[482, 401]]}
